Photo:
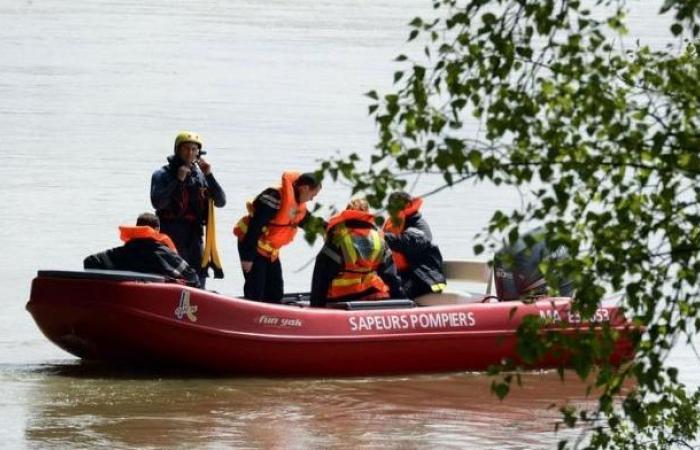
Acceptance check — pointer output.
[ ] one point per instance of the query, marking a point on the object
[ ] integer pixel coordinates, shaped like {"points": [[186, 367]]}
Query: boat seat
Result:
{"points": [[451, 298], [94, 274], [372, 304]]}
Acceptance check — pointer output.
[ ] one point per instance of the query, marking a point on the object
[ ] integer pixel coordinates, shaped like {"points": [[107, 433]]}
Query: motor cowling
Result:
{"points": [[516, 268]]}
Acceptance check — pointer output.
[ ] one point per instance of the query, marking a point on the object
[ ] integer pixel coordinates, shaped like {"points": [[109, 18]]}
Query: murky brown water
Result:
{"points": [[103, 406], [92, 96]]}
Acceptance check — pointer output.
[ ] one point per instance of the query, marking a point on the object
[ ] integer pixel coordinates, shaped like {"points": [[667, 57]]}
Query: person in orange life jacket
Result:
{"points": [[146, 250], [180, 193], [272, 222], [417, 258], [354, 263]]}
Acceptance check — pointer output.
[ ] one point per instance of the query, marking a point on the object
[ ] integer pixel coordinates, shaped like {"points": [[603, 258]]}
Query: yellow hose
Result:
{"points": [[210, 257]]}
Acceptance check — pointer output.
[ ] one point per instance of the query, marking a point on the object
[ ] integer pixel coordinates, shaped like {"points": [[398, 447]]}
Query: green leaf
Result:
{"points": [[416, 22], [488, 19], [600, 141], [500, 389]]}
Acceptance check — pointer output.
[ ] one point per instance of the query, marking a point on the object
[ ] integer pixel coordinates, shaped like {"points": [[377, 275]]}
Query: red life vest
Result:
{"points": [[363, 252], [281, 230], [398, 225], [189, 203], [129, 232]]}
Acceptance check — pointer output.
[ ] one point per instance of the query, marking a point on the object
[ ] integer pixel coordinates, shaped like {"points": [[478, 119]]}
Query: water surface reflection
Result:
{"points": [[95, 405]]}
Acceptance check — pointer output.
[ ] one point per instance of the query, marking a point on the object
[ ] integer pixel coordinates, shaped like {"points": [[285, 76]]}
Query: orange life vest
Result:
{"points": [[129, 232], [363, 252], [281, 230], [398, 225]]}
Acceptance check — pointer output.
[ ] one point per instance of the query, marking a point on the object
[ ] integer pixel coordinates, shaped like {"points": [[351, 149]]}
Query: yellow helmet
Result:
{"points": [[187, 136]]}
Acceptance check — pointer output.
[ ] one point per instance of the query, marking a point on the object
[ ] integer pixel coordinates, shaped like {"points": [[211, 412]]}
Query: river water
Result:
{"points": [[93, 93]]}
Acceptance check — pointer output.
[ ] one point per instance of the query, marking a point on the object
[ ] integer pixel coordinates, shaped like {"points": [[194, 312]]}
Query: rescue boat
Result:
{"points": [[126, 316]]}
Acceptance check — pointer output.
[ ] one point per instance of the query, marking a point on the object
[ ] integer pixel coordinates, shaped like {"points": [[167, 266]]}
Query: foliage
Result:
{"points": [[604, 139]]}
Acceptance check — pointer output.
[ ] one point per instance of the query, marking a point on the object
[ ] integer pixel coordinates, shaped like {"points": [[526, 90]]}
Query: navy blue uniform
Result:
{"points": [[146, 256], [424, 257], [264, 282], [182, 207]]}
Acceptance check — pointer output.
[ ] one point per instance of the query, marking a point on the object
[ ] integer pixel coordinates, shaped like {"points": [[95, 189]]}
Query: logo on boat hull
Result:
{"points": [[279, 321], [184, 309]]}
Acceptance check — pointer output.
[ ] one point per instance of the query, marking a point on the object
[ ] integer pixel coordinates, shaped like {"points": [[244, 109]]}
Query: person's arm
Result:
{"points": [[215, 191], [265, 206], [98, 261], [163, 189], [328, 264], [175, 267], [418, 222], [411, 242], [387, 272], [108, 260]]}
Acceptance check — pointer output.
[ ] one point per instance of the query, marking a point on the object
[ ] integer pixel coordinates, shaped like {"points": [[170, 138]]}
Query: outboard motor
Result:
{"points": [[516, 269]]}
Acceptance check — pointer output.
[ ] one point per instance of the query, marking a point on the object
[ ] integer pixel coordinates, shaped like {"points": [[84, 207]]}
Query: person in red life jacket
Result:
{"points": [[418, 260], [146, 250], [180, 193], [272, 222], [354, 263]]}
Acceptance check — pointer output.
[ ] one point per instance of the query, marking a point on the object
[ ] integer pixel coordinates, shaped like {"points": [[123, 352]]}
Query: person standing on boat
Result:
{"points": [[145, 250], [271, 223], [354, 263], [417, 258], [180, 193]]}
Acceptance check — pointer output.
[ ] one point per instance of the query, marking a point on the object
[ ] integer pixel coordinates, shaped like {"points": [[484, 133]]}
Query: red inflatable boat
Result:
{"points": [[117, 316]]}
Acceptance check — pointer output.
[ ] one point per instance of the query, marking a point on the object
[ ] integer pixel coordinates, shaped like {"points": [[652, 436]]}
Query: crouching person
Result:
{"points": [[354, 263], [417, 258], [145, 250]]}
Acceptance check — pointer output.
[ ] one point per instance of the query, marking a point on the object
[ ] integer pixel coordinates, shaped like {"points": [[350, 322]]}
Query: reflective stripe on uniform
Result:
{"points": [[438, 287], [332, 254], [345, 240], [346, 281], [268, 250], [376, 246], [108, 261], [180, 269], [349, 283], [243, 225]]}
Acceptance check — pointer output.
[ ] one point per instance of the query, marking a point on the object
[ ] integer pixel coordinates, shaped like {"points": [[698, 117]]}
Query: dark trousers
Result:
{"points": [[264, 281]]}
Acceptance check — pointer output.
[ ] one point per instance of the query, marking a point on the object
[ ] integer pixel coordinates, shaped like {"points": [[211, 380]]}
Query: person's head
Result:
{"points": [[358, 204], [148, 220], [188, 145], [399, 199], [306, 187]]}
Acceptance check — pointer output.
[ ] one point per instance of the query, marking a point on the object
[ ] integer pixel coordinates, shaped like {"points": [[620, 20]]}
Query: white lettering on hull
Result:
{"points": [[554, 316], [422, 321], [279, 322]]}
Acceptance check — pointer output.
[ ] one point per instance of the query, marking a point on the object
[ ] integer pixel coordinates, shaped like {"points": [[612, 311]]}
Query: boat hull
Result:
{"points": [[157, 322]]}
